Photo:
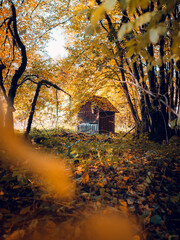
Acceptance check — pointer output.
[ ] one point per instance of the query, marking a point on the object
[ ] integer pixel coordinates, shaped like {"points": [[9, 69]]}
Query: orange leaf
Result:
{"points": [[125, 178], [85, 177]]}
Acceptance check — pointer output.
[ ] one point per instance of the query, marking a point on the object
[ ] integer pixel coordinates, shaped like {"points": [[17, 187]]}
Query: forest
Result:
{"points": [[90, 140]]}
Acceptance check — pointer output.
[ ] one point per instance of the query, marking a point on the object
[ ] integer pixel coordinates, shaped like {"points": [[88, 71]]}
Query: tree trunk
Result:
{"points": [[18, 73], [142, 100], [158, 130], [126, 91], [112, 35], [57, 109], [33, 106]]}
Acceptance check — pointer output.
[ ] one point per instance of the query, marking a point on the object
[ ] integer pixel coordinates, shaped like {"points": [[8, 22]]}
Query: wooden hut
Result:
{"points": [[97, 116]]}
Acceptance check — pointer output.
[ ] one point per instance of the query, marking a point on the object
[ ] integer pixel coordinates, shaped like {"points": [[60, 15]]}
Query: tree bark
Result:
{"points": [[33, 106], [142, 100], [126, 91], [18, 72]]}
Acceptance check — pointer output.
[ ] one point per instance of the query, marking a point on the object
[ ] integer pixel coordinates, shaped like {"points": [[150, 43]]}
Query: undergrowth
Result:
{"points": [[135, 176]]}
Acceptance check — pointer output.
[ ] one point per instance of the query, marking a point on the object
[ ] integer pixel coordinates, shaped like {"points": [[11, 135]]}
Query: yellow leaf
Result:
{"points": [[98, 14], [144, 4], [159, 62], [143, 19], [154, 35], [126, 28], [121, 32], [133, 4], [129, 27], [89, 30], [109, 4]]}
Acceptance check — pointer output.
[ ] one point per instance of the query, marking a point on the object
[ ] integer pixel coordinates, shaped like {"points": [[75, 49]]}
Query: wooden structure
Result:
{"points": [[97, 116]]}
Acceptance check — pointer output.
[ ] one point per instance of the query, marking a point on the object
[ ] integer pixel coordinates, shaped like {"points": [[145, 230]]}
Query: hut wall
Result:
{"points": [[86, 115]]}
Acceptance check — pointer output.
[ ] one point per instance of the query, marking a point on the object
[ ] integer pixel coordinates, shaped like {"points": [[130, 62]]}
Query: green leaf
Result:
{"points": [[148, 180], [156, 219], [178, 121], [174, 199], [173, 123], [102, 190]]}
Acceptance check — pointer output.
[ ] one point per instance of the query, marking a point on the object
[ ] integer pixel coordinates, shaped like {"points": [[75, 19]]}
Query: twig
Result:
{"points": [[127, 132]]}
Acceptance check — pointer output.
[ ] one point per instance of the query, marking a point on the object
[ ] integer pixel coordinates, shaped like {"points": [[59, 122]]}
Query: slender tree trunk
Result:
{"points": [[142, 100], [165, 132], [125, 88], [146, 102], [33, 106], [158, 131], [57, 109]]}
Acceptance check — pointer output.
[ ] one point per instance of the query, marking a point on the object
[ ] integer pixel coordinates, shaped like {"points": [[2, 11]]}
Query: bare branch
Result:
{"points": [[35, 8], [28, 78], [102, 25], [42, 82], [4, 22], [51, 28], [153, 95], [46, 82]]}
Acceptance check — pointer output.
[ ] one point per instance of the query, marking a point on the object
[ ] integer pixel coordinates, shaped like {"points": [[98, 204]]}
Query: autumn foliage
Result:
{"points": [[58, 184]]}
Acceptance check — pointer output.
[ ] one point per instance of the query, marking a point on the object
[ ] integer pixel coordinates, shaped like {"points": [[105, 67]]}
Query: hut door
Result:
{"points": [[106, 122]]}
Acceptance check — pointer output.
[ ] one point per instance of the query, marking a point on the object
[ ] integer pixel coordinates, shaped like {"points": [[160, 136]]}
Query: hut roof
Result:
{"points": [[103, 104]]}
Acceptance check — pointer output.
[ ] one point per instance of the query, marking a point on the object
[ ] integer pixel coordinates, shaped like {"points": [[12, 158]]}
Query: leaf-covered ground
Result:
{"points": [[131, 176]]}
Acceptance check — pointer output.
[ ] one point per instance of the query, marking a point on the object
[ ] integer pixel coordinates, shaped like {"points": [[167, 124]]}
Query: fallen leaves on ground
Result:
{"points": [[134, 178]]}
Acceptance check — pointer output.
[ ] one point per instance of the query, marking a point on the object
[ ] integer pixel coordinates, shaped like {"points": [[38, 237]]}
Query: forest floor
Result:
{"points": [[135, 177]]}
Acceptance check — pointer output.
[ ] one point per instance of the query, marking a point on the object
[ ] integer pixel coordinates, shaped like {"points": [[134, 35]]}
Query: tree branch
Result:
{"points": [[27, 78], [46, 82], [56, 26], [35, 8], [153, 95]]}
